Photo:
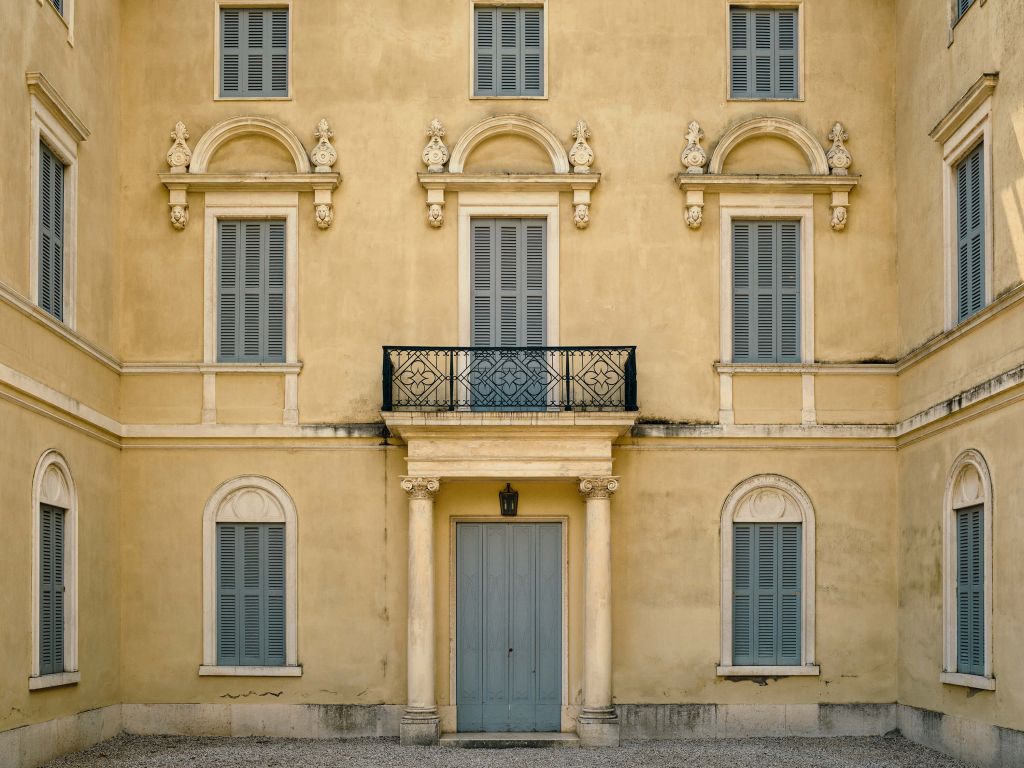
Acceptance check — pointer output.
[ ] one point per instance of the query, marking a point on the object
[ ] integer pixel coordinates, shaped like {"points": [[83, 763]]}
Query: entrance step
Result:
{"points": [[509, 740]]}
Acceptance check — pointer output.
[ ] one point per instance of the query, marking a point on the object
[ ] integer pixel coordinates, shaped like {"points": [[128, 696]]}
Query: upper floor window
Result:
{"points": [[253, 52], [766, 292], [970, 233], [58, 5], [508, 51], [51, 233], [960, 8], [250, 291], [763, 53]]}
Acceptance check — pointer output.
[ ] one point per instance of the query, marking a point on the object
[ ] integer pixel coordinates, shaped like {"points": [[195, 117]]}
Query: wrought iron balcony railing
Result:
{"points": [[509, 378]]}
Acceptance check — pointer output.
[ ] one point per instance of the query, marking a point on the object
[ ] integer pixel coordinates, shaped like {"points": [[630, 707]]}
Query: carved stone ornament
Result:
{"points": [[421, 487], [435, 214], [581, 155], [324, 155], [839, 215], [598, 487], [179, 216], [324, 215], [694, 216], [839, 158], [694, 157], [179, 155], [581, 216], [435, 154]]}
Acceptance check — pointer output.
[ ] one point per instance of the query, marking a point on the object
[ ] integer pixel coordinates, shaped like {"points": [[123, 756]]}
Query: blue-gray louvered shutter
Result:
{"points": [[767, 594], [254, 52], [742, 292], [59, 5], [534, 269], [787, 344], [789, 577], [739, 44], [785, 63], [509, 52], [482, 279], [250, 594], [970, 588], [743, 594], [763, 53], [970, 230], [51, 590], [533, 52], [766, 291], [51, 233], [508, 277], [485, 52], [961, 7], [251, 291]]}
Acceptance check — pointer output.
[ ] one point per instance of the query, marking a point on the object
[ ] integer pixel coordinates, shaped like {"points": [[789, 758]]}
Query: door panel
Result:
{"points": [[509, 624]]}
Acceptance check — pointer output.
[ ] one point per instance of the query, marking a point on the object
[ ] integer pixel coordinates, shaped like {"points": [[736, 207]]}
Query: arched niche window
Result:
{"points": [[967, 574], [767, 537], [54, 574], [250, 611]]}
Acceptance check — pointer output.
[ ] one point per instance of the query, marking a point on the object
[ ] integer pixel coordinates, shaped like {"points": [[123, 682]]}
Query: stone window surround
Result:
{"points": [[959, 495], [473, 4], [509, 205], [800, 511], [251, 205], [800, 47], [260, 500], [55, 124], [966, 125], [53, 484], [216, 45], [774, 207], [67, 18]]}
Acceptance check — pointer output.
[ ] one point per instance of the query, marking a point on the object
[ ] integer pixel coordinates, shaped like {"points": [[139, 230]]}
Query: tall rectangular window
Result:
{"points": [[766, 291], [766, 622], [253, 52], [250, 291], [250, 594], [508, 51], [970, 591], [51, 590], [763, 53], [970, 233], [51, 233]]}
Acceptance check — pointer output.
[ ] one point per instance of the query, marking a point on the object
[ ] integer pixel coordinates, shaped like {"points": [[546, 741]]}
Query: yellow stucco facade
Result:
{"points": [[889, 390]]}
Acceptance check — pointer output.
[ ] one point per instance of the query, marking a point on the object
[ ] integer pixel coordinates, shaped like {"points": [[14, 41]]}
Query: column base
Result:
{"points": [[420, 729], [598, 728]]}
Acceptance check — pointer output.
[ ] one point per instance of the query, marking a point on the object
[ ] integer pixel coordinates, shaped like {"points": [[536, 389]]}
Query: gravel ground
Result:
{"points": [[189, 752]]}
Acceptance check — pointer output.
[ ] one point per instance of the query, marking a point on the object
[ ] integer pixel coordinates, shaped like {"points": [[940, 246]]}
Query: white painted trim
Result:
{"points": [[789, 369], [216, 46], [228, 130], [515, 125], [508, 205], [215, 671], [968, 484], [250, 205], [163, 368], [813, 670], [277, 506], [53, 124], [800, 46], [67, 18], [53, 484], [968, 681], [54, 681], [798, 507], [779, 127], [974, 129], [543, 4]]}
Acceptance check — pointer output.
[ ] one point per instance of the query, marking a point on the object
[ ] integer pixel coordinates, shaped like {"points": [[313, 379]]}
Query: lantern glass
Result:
{"points": [[508, 501]]}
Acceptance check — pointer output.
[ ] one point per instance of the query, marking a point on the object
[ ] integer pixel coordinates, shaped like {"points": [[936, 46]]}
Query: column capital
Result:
{"points": [[421, 487], [598, 487]]}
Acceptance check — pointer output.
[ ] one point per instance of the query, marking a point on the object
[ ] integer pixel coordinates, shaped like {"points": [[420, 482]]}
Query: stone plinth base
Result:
{"points": [[420, 731], [598, 731]]}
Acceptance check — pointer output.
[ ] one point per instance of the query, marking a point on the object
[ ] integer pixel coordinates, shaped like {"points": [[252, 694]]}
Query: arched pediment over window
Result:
{"points": [[777, 127], [503, 125], [236, 128]]}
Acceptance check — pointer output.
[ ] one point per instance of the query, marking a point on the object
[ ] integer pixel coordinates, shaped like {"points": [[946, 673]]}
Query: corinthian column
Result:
{"points": [[598, 722], [420, 724]]}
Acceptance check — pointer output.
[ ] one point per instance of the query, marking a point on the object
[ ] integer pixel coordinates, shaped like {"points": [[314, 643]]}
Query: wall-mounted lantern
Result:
{"points": [[509, 501]]}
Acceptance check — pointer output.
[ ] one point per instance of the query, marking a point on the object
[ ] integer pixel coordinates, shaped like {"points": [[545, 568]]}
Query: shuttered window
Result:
{"points": [[253, 52], [763, 53], [508, 276], [51, 233], [59, 5], [766, 600], [250, 291], [508, 56], [970, 233], [250, 594], [960, 8], [51, 590], [970, 591], [766, 291]]}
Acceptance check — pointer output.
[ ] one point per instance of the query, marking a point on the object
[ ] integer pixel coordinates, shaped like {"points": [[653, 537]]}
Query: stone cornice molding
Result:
{"points": [[965, 107], [598, 487], [42, 89], [421, 487]]}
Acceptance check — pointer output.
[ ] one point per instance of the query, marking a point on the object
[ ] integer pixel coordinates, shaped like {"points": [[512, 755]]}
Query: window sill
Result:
{"points": [[756, 98], [812, 670], [252, 98], [508, 98], [210, 670], [40, 682], [979, 682]]}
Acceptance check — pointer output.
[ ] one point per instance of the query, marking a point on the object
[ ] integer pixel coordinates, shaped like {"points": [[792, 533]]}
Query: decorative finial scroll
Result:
{"points": [[694, 157], [324, 155], [838, 157], [179, 155], [435, 154], [581, 155]]}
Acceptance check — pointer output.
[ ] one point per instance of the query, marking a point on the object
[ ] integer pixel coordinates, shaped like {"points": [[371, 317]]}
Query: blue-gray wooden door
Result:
{"points": [[509, 626]]}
